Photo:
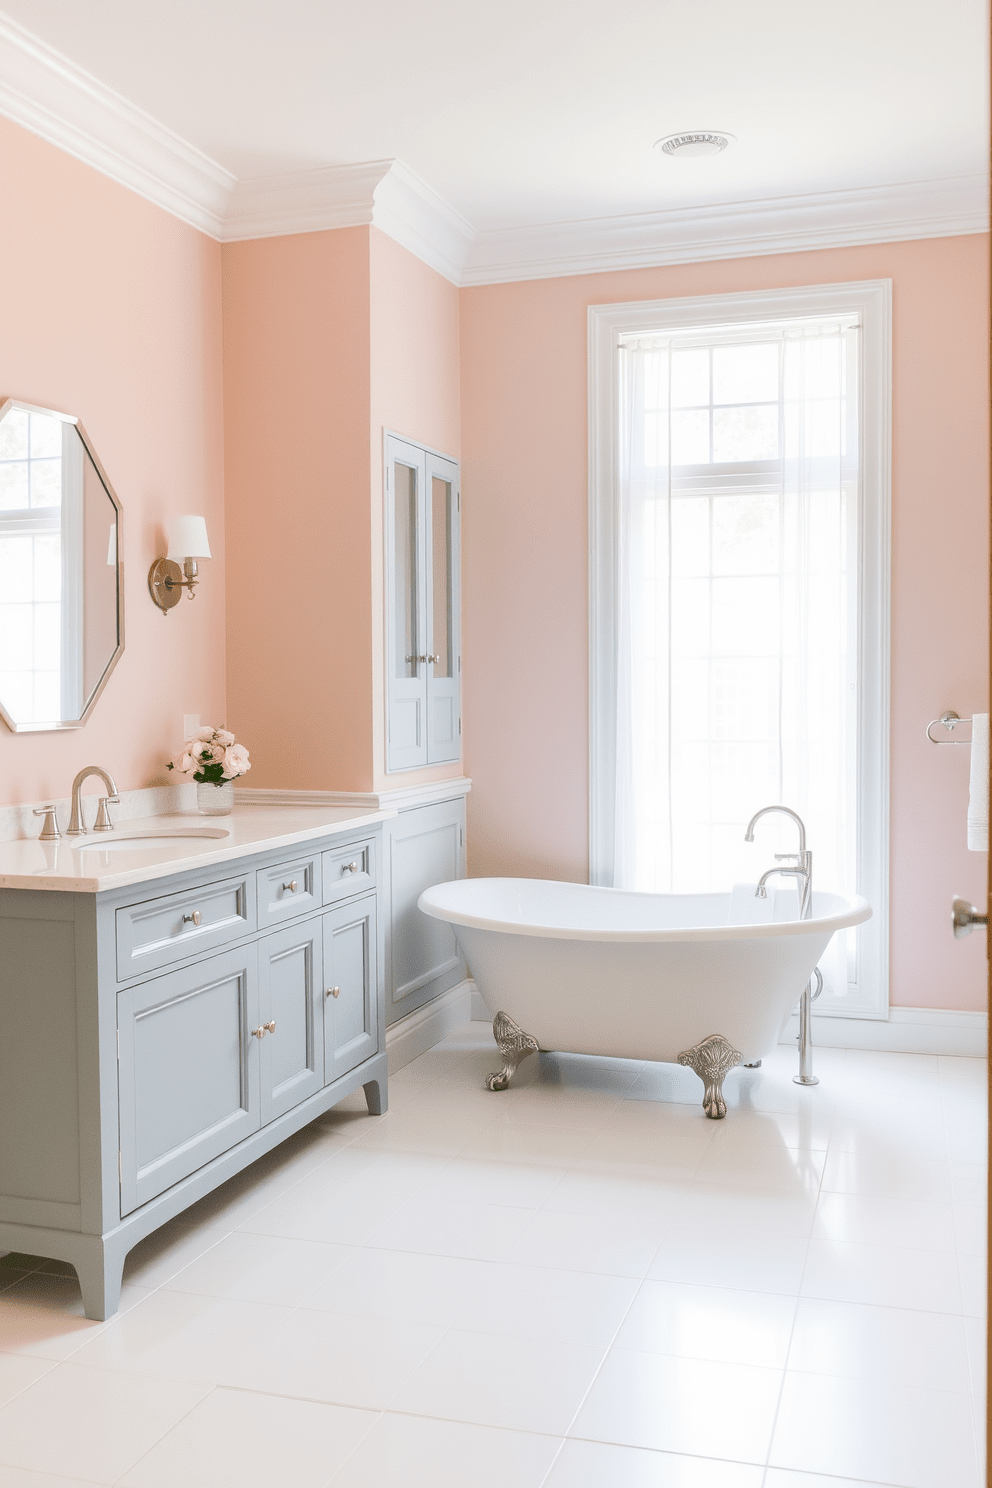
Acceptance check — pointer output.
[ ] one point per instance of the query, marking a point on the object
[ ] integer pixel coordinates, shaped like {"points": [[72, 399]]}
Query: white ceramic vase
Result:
{"points": [[215, 800]]}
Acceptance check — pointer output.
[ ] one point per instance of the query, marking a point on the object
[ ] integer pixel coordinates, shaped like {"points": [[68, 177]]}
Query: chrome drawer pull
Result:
{"points": [[265, 1028], [290, 887], [333, 992], [349, 867], [192, 919]]}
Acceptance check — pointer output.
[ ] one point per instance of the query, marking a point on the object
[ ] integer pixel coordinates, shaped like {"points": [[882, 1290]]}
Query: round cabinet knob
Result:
{"points": [[349, 868], [270, 1026], [290, 887], [192, 919], [264, 1028], [333, 992]]}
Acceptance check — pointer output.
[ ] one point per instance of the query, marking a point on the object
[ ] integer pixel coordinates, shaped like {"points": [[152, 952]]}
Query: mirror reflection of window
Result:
{"points": [[31, 499]]}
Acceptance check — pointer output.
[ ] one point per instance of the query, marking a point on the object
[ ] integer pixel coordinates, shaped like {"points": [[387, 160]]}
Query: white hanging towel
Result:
{"points": [[978, 798]]}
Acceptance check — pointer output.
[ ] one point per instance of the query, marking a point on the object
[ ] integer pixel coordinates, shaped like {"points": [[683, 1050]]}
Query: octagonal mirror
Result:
{"points": [[61, 583]]}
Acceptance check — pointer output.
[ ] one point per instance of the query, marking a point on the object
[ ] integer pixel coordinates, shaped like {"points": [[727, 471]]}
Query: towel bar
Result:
{"points": [[949, 721]]}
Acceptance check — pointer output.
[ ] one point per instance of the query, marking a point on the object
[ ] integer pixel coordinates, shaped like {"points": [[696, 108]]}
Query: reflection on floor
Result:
{"points": [[579, 1283]]}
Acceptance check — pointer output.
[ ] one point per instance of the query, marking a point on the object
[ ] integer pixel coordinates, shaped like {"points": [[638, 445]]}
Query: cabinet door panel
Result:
{"points": [[426, 847], [406, 604], [188, 1071], [443, 611], [291, 1056], [350, 1022]]}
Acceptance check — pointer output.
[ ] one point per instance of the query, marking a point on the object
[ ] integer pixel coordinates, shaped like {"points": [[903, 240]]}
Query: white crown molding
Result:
{"points": [[52, 97], [828, 219], [63, 104]]}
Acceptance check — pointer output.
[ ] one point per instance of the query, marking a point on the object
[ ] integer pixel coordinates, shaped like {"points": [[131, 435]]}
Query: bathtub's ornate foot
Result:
{"points": [[711, 1058], [514, 1045]]}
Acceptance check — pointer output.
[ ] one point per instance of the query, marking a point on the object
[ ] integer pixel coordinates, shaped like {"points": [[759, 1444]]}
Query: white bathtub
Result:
{"points": [[641, 976]]}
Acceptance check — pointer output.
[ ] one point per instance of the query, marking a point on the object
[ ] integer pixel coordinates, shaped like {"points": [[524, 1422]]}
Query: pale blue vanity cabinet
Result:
{"points": [[159, 1037]]}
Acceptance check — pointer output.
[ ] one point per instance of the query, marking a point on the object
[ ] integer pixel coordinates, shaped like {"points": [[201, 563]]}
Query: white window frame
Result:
{"points": [[872, 301]]}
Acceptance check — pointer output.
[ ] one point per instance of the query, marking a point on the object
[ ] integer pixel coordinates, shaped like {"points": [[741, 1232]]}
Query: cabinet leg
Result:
{"points": [[100, 1273], [376, 1091]]}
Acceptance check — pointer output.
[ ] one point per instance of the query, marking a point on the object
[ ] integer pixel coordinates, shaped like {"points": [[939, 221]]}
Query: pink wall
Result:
{"points": [[296, 386], [415, 392], [112, 311], [525, 570]]}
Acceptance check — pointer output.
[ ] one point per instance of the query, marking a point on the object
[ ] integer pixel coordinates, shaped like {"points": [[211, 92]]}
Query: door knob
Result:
{"points": [[333, 992], [965, 917]]}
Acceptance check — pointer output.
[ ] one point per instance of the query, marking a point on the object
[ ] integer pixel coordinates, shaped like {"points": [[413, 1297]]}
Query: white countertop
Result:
{"points": [[87, 865]]}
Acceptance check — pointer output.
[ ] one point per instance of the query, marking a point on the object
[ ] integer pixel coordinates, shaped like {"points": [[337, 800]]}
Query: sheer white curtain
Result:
{"points": [[737, 604]]}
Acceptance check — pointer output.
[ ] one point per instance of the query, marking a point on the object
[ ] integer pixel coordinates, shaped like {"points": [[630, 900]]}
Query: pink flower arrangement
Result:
{"points": [[211, 757]]}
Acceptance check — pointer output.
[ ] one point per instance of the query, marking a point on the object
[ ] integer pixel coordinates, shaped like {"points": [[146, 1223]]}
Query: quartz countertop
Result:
{"points": [[91, 865]]}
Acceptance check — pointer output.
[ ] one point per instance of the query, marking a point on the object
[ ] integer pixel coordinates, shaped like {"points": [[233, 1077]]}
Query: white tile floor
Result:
{"points": [[579, 1283]]}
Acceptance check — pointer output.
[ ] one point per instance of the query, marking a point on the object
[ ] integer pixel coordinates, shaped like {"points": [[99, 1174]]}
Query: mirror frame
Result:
{"points": [[58, 725]]}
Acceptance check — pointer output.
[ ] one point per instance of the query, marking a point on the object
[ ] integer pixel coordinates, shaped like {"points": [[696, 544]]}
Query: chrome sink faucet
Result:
{"points": [[77, 827], [803, 871]]}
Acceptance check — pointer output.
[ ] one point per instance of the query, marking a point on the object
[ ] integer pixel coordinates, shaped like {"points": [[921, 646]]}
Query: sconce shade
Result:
{"points": [[188, 538]]}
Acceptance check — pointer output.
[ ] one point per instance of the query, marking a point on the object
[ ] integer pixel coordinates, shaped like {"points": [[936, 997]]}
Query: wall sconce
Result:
{"points": [[166, 580]]}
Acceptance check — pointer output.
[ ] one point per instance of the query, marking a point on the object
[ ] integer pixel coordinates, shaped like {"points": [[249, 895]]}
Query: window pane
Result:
{"points": [[749, 433], [691, 437], [13, 484], [46, 482], [746, 374], [745, 534], [14, 435], [690, 535], [690, 378], [46, 436]]}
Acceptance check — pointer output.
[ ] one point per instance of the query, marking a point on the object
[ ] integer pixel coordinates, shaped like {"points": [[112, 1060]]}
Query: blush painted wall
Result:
{"points": [[296, 399], [111, 310], [414, 333], [524, 434]]}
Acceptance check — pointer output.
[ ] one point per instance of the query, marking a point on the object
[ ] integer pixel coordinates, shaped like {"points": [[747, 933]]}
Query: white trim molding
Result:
{"points": [[748, 229], [48, 94], [420, 1030], [872, 301], [905, 1031], [53, 98], [397, 799]]}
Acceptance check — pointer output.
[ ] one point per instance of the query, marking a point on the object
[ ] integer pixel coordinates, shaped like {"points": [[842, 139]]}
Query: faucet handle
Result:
{"points": [[50, 827], [103, 822], [787, 857]]}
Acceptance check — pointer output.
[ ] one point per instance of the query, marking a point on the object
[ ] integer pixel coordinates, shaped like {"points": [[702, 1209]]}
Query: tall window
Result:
{"points": [[743, 640]]}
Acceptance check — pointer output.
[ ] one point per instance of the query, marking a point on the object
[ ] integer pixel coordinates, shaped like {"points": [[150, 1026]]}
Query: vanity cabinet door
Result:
{"points": [[291, 1054], [188, 1078], [351, 1031]]}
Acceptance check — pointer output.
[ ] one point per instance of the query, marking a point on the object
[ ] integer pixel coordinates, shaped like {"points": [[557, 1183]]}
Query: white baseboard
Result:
{"points": [[905, 1031], [421, 1030]]}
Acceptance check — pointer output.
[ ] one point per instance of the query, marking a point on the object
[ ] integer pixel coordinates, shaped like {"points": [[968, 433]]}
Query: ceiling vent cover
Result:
{"points": [[694, 142]]}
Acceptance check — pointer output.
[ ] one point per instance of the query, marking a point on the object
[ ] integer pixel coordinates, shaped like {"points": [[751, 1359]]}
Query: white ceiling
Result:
{"points": [[527, 112]]}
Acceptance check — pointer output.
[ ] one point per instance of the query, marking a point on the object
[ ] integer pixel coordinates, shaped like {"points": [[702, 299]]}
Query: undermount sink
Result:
{"points": [[135, 841]]}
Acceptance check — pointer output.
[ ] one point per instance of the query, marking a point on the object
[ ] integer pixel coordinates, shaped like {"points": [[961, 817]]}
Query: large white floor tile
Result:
{"points": [[591, 1242], [345, 1214], [877, 1431], [641, 1196], [927, 1350], [806, 1129], [896, 1171], [496, 1380], [538, 1142], [785, 1170], [180, 1336], [518, 1185], [584, 1464], [974, 1283], [534, 1302], [259, 1268], [166, 1251], [336, 1357], [975, 1338], [716, 1209], [783, 1477], [698, 1322], [43, 1316], [401, 1285], [481, 1232], [92, 1423], [18, 1371], [880, 1219], [729, 1258], [421, 1453], [236, 1439], [26, 1477], [692, 1406], [888, 1275]]}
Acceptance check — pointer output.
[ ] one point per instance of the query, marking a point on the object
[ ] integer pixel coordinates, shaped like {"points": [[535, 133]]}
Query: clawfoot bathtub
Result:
{"points": [[662, 977]]}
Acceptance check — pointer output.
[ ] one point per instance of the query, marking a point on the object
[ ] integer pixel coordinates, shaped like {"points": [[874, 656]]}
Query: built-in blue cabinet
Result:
{"points": [[423, 606]]}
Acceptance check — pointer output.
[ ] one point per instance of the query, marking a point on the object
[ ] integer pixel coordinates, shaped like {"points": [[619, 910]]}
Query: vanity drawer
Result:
{"points": [[290, 888], [348, 870], [159, 931]]}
